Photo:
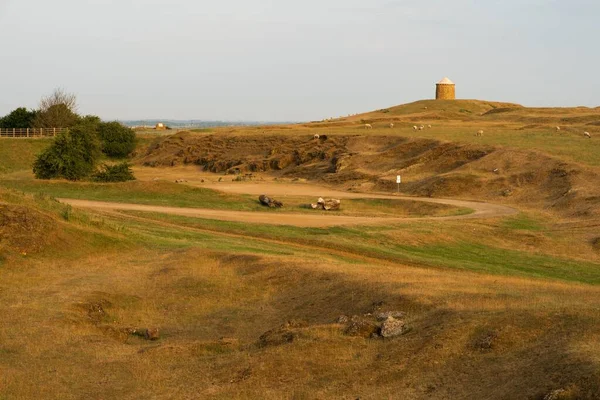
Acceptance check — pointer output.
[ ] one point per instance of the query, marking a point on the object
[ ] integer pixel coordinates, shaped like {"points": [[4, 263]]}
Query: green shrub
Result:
{"points": [[114, 173], [18, 118], [72, 156], [117, 140]]}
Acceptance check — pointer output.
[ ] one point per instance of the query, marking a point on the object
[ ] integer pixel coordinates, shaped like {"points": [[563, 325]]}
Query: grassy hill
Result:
{"points": [[498, 308], [482, 111]]}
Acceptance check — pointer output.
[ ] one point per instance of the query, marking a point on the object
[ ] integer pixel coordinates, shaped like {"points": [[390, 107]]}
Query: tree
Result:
{"points": [[117, 139], [18, 118], [72, 156], [58, 110], [90, 119]]}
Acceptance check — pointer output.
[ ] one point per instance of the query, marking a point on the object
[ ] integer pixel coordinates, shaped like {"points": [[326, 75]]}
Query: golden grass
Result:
{"points": [[214, 294], [53, 349]]}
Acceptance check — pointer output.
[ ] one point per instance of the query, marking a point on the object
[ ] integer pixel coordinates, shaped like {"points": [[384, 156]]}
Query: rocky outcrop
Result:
{"points": [[386, 324], [326, 204], [269, 202], [392, 327], [361, 327]]}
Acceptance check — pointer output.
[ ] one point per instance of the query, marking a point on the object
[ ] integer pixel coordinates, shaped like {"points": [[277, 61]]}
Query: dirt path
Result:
{"points": [[481, 210]]}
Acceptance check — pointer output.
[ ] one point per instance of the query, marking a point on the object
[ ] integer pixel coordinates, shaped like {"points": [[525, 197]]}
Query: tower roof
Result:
{"points": [[445, 81]]}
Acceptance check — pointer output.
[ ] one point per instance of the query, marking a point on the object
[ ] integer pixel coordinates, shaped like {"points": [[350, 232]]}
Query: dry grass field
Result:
{"points": [[102, 304]]}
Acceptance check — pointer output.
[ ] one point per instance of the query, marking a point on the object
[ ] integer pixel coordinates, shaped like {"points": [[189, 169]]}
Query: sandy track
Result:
{"points": [[275, 217]]}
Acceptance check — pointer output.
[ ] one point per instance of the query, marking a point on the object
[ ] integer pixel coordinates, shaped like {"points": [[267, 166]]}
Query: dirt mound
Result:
{"points": [[241, 154], [24, 230]]}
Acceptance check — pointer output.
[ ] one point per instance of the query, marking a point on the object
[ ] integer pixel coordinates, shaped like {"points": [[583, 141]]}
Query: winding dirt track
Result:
{"points": [[481, 210]]}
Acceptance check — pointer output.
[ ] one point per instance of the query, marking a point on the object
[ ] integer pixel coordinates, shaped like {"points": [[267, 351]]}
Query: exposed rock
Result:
{"points": [[555, 394], [326, 204], [286, 333], [152, 334], [269, 202], [382, 316], [96, 312], [361, 327], [392, 327]]}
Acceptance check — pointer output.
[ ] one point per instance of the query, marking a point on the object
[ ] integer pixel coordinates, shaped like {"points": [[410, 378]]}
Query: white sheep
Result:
{"points": [[368, 126], [415, 128], [587, 135], [391, 124], [421, 127], [479, 133], [429, 126], [316, 136], [558, 128]]}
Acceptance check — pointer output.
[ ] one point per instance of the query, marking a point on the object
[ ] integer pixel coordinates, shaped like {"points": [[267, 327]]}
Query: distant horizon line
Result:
{"points": [[203, 120]]}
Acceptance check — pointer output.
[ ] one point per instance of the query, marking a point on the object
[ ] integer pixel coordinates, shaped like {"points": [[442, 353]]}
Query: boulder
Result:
{"points": [[269, 202], [326, 204], [361, 328], [392, 327], [152, 334]]}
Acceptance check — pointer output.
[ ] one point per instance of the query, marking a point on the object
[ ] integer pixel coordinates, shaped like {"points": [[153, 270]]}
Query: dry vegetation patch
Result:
{"points": [[244, 326]]}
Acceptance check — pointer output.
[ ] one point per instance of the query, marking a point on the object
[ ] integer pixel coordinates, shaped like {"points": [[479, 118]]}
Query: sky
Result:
{"points": [[284, 60]]}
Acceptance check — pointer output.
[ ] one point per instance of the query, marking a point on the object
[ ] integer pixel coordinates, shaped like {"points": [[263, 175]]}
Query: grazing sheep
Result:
{"points": [[429, 126], [368, 126], [391, 124], [558, 128], [479, 133], [316, 136], [587, 135], [415, 128], [421, 127]]}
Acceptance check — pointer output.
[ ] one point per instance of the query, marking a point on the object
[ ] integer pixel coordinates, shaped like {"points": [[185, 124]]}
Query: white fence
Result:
{"points": [[30, 132]]}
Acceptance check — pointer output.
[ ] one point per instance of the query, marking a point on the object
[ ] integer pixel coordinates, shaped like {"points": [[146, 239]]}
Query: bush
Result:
{"points": [[117, 140], [72, 156], [18, 118], [114, 173]]}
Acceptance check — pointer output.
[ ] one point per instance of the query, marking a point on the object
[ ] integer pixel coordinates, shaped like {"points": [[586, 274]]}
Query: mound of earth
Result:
{"points": [[24, 229], [469, 111], [430, 167]]}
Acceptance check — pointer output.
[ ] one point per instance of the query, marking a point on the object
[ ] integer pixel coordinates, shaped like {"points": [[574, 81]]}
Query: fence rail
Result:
{"points": [[30, 132]]}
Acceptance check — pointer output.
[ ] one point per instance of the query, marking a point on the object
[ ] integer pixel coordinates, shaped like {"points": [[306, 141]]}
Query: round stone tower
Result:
{"points": [[445, 90]]}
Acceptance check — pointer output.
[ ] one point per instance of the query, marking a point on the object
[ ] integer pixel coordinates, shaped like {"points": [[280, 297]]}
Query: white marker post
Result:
{"points": [[398, 181]]}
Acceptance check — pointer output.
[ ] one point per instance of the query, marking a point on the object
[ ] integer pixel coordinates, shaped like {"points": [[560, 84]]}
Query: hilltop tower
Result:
{"points": [[445, 90]]}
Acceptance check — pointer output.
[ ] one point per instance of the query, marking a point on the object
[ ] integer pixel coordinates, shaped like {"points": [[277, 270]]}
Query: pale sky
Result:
{"points": [[294, 60]]}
